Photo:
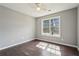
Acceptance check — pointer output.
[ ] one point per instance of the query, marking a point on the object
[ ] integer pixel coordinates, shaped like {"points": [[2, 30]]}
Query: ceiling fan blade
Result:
{"points": [[42, 7]]}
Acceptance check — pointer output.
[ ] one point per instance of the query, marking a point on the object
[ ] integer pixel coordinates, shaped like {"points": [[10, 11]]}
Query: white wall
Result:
{"points": [[15, 27], [78, 28], [68, 27]]}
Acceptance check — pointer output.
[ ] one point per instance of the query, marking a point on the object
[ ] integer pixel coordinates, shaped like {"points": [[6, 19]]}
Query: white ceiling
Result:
{"points": [[30, 8]]}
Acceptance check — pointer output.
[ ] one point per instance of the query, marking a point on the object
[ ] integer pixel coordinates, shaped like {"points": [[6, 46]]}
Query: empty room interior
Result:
{"points": [[39, 29]]}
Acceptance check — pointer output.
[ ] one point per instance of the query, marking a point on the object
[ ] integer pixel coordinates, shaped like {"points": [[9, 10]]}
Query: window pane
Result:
{"points": [[55, 26], [46, 26], [52, 26]]}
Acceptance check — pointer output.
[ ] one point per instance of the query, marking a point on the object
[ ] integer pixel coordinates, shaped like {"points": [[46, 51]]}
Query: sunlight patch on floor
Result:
{"points": [[42, 45], [54, 49]]}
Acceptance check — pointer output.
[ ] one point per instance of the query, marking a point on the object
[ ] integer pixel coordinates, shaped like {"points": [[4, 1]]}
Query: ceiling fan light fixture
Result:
{"points": [[49, 10], [38, 8]]}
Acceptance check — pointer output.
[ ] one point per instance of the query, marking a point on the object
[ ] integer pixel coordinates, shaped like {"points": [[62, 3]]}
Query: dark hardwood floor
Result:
{"points": [[39, 48]]}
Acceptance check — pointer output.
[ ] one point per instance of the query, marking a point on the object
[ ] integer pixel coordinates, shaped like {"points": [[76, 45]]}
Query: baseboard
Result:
{"points": [[15, 44], [59, 43]]}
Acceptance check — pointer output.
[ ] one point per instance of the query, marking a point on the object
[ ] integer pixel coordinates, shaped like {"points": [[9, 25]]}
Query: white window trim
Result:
{"points": [[49, 34]]}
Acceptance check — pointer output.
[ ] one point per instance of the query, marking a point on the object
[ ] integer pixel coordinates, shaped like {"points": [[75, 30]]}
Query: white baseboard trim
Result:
{"points": [[59, 43], [15, 44]]}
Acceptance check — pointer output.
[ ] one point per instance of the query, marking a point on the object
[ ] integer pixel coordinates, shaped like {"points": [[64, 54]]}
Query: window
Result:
{"points": [[46, 26], [51, 26]]}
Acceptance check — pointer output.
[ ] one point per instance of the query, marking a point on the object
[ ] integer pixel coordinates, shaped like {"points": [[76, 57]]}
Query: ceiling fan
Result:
{"points": [[41, 7]]}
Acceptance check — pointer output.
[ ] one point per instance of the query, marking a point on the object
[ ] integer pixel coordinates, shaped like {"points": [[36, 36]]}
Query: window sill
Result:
{"points": [[55, 35]]}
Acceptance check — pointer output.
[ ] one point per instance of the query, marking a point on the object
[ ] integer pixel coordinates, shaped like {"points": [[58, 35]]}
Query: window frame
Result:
{"points": [[49, 34]]}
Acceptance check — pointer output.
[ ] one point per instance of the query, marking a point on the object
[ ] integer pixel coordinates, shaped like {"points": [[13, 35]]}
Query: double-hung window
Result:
{"points": [[51, 26]]}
